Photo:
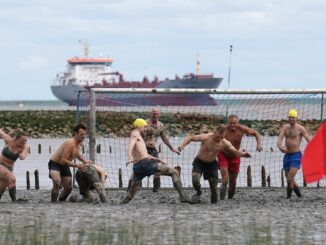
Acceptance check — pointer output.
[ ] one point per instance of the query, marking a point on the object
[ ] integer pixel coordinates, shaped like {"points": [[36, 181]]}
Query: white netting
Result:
{"points": [[202, 111]]}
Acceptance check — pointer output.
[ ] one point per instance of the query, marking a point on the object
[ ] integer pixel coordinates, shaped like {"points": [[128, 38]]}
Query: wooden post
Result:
{"points": [[269, 181], [83, 149], [92, 125], [110, 149], [318, 184], [249, 178], [39, 149], [98, 148], [28, 183], [120, 178], [305, 183], [49, 149], [159, 148], [282, 177], [29, 150], [37, 180], [263, 176]]}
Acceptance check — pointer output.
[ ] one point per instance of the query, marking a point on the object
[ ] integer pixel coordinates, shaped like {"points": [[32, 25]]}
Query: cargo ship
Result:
{"points": [[84, 73]]}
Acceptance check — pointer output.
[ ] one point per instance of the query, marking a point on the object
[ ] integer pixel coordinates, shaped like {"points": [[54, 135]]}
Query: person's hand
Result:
{"points": [[283, 149], [130, 161], [82, 167], [180, 149], [259, 148], [175, 150], [246, 154]]}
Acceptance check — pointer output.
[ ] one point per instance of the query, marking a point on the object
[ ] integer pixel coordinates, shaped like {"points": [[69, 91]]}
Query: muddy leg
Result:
{"points": [[132, 192], [156, 182], [12, 193], [225, 181], [66, 184], [232, 183], [101, 191], [213, 186]]}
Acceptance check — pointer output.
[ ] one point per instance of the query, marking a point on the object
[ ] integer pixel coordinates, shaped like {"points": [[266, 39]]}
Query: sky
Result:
{"points": [[277, 44]]}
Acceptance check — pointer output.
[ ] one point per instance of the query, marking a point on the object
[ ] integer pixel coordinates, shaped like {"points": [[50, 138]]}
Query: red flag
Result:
{"points": [[314, 157]]}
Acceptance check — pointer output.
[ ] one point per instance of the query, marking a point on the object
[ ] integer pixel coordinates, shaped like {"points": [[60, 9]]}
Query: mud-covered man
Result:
{"points": [[293, 133], [205, 162], [229, 164], [155, 129], [145, 164], [93, 177]]}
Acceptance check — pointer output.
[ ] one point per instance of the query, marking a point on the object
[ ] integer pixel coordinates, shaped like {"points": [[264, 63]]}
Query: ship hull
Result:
{"points": [[71, 95]]}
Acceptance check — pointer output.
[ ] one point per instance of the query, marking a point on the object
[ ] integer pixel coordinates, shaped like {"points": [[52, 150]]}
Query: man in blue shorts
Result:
{"points": [[145, 164], [293, 133]]}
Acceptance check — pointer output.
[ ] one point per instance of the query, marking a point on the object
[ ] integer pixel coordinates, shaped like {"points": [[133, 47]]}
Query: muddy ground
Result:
{"points": [[255, 215]]}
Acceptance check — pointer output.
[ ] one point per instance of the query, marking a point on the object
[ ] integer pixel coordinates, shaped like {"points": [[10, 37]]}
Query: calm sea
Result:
{"points": [[18, 105]]}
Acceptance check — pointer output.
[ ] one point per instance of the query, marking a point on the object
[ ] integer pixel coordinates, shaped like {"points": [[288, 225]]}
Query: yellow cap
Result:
{"points": [[139, 122], [293, 113]]}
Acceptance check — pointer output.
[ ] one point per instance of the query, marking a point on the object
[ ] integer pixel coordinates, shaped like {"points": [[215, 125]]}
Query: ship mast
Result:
{"points": [[197, 64], [85, 44]]}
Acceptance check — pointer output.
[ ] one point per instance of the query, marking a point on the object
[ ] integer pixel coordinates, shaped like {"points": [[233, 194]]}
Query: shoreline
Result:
{"points": [[59, 123]]}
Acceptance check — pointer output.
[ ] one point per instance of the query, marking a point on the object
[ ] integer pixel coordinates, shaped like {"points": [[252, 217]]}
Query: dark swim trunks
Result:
{"points": [[152, 151], [143, 168], [292, 160], [208, 169], [64, 170]]}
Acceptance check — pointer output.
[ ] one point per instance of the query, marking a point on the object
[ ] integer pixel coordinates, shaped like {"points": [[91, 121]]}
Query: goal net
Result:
{"points": [[109, 114]]}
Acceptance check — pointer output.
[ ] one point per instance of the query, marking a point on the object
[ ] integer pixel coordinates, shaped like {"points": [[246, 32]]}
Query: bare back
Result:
{"points": [[69, 150]]}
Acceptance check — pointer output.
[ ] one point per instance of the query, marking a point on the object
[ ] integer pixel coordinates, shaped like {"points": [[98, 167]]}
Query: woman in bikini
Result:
{"points": [[15, 147]]}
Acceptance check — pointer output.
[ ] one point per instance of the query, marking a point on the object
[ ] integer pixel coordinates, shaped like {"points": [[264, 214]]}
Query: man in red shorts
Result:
{"points": [[228, 163]]}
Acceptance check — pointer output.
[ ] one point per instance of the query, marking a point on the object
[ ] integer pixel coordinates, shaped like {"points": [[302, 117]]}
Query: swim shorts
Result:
{"points": [[207, 169], [143, 168], [64, 170], [292, 160], [232, 163]]}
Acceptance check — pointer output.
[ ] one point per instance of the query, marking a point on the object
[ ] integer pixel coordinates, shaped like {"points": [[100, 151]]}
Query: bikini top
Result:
{"points": [[9, 154]]}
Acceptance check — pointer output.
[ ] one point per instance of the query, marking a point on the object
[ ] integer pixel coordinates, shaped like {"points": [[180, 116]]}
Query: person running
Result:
{"points": [[62, 159], [205, 162], [93, 177], [15, 147], [293, 133], [145, 164], [155, 129], [230, 165]]}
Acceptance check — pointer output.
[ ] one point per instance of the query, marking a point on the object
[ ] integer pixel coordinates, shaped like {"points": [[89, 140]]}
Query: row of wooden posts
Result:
{"points": [[37, 180], [265, 181], [98, 149]]}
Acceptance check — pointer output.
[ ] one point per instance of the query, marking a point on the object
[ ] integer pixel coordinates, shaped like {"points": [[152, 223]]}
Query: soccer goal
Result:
{"points": [[109, 114]]}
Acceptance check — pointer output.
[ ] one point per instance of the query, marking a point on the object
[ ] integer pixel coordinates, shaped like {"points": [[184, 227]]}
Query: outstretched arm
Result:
{"points": [[6, 137], [191, 138], [228, 147], [252, 132], [167, 142]]}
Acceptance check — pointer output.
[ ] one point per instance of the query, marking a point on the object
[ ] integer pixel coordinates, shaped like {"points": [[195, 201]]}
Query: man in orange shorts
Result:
{"points": [[228, 163]]}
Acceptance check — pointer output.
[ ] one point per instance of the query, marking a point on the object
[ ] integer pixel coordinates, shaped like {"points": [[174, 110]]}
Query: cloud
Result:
{"points": [[32, 63]]}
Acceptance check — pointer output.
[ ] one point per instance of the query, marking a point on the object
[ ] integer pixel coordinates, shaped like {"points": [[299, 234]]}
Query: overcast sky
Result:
{"points": [[277, 43]]}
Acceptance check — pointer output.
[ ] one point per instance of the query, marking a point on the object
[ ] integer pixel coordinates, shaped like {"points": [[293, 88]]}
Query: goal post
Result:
{"points": [[109, 114]]}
